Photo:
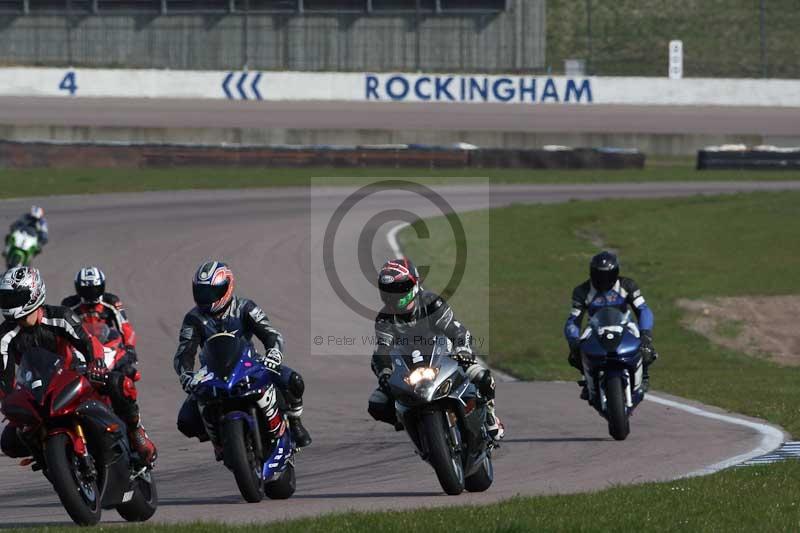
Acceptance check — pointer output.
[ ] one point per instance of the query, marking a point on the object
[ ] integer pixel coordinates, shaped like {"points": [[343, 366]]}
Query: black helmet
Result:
{"points": [[398, 281], [604, 271], [90, 284], [212, 287]]}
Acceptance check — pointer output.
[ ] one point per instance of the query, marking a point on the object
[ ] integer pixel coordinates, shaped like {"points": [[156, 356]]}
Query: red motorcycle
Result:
{"points": [[78, 442]]}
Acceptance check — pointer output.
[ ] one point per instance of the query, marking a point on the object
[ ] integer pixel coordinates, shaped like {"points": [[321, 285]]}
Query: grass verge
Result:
{"points": [[744, 499], [38, 182], [695, 247]]}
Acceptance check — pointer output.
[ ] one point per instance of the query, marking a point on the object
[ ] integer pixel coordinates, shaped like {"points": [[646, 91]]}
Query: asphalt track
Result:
{"points": [[149, 245], [596, 118]]}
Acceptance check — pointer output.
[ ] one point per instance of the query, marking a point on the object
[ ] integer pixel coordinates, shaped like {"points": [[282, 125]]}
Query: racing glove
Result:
{"points": [[186, 379], [649, 354], [98, 372], [383, 382], [465, 358], [272, 359]]}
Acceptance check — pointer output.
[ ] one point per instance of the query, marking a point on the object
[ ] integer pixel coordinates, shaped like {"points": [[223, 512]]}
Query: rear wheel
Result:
{"points": [[78, 495], [445, 461], [283, 487], [241, 459], [482, 479], [618, 423], [144, 503]]}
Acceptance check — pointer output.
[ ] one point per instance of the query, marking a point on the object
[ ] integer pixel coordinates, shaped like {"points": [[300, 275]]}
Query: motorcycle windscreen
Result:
{"points": [[222, 352], [36, 370], [609, 326]]}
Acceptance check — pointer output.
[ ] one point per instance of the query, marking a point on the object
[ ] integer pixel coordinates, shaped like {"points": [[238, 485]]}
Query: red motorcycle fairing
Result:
{"points": [[67, 391], [21, 408], [78, 444]]}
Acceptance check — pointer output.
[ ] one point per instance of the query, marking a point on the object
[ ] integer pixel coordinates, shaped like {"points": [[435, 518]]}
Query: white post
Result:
{"points": [[676, 60]]}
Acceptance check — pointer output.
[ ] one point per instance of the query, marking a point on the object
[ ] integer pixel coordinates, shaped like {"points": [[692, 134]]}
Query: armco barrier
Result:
{"points": [[58, 155], [748, 159]]}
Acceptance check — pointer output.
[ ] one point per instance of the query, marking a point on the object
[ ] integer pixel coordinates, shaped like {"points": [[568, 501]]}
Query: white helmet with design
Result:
{"points": [[22, 291], [37, 212]]}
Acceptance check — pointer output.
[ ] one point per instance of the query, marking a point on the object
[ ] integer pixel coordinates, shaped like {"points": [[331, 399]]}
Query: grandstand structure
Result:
{"points": [[167, 7], [489, 36]]}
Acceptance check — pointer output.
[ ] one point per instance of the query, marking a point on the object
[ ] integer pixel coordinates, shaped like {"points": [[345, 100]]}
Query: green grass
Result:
{"points": [[698, 247], [748, 499], [38, 182], [630, 37]]}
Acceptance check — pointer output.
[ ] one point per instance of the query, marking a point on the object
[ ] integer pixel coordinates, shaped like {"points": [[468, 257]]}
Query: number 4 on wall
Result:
{"points": [[68, 83]]}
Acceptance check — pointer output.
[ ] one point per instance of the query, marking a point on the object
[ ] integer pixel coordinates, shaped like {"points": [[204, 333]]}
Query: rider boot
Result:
{"points": [[494, 426], [294, 397], [140, 442], [299, 433], [645, 378]]}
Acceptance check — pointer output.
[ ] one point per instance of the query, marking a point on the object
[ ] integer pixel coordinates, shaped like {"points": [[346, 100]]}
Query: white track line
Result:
{"points": [[771, 437]]}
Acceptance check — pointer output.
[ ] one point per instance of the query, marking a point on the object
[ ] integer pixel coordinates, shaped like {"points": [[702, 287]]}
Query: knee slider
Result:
{"points": [[296, 385]]}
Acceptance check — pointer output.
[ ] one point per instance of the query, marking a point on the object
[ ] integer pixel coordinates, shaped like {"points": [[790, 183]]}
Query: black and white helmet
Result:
{"points": [[90, 284], [22, 291]]}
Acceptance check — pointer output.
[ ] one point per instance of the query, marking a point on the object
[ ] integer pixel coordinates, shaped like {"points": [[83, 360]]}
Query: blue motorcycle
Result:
{"points": [[241, 405], [612, 366]]}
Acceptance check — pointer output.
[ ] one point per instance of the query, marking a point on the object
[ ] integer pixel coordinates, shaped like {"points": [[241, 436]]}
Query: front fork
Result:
{"points": [[82, 451]]}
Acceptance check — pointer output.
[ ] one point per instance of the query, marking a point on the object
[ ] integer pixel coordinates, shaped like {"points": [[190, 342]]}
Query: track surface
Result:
{"points": [[178, 113], [149, 245]]}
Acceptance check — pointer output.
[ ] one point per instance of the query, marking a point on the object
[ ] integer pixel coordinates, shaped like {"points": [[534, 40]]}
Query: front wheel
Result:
{"points": [[445, 461], [240, 457], [283, 487], [144, 502], [483, 478], [15, 258], [618, 423], [78, 495]]}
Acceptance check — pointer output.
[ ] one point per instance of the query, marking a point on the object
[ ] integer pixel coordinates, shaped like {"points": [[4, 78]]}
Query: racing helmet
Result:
{"points": [[399, 285], [22, 291], [90, 284], [604, 271], [212, 287]]}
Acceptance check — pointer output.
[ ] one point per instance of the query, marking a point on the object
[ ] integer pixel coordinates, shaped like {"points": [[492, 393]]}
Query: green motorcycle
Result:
{"points": [[21, 245]]}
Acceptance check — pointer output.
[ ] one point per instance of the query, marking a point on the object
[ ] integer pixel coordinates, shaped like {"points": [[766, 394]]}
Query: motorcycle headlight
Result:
{"points": [[421, 374]]}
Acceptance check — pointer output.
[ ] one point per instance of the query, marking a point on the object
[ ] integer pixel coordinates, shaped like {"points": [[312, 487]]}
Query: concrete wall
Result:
{"points": [[511, 41]]}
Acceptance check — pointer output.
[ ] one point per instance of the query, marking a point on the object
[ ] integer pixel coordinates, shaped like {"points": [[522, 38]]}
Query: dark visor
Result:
{"points": [[208, 294], [91, 293], [11, 299]]}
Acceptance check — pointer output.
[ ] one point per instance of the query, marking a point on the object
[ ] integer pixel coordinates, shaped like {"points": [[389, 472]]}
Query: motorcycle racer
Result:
{"points": [[30, 323], [408, 308], [605, 288], [219, 310]]}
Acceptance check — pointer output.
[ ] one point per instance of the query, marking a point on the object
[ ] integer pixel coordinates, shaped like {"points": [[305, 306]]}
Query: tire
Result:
{"points": [[618, 423], [482, 479], [15, 258], [144, 503], [448, 468], [81, 500], [283, 487], [240, 458]]}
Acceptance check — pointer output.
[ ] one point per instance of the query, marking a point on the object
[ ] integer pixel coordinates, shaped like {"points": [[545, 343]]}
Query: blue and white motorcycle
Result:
{"points": [[612, 366], [240, 404]]}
